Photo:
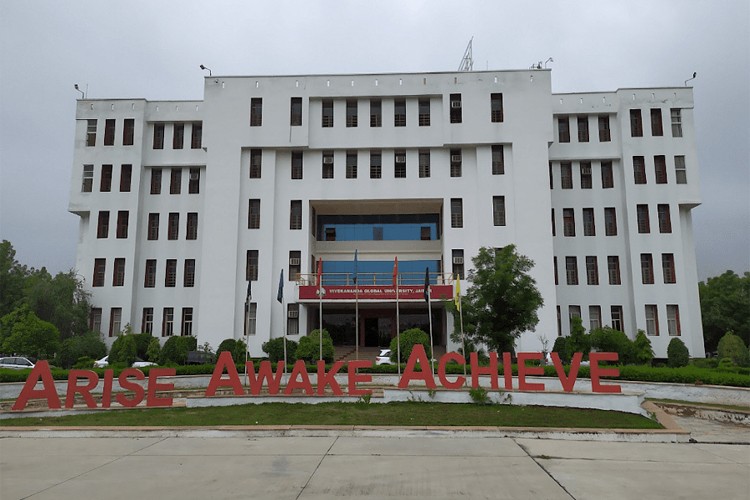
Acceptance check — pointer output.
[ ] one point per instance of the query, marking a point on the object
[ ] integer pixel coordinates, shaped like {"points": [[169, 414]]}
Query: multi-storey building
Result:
{"points": [[191, 210]]}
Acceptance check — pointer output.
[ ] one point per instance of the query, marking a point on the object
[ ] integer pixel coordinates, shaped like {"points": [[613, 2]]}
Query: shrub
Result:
{"points": [[644, 354], [154, 350], [142, 342], [275, 350], [237, 348], [309, 347], [561, 348], [610, 340], [579, 341], [409, 338], [479, 395], [84, 363], [677, 353], [88, 345], [732, 347], [123, 350], [175, 349]]}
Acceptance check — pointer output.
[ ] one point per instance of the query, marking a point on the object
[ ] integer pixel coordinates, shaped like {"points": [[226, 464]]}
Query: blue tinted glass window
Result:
{"points": [[409, 227], [369, 272]]}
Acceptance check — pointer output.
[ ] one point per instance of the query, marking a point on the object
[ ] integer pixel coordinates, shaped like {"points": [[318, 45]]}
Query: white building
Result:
{"points": [[182, 202]]}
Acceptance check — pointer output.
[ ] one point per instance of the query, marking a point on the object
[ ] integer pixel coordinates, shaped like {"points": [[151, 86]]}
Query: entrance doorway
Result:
{"points": [[372, 332]]}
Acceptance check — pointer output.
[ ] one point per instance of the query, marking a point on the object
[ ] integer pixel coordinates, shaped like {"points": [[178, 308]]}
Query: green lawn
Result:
{"points": [[391, 414]]}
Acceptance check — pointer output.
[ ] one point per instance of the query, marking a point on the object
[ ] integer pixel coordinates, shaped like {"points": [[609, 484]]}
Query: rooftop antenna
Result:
{"points": [[467, 61], [83, 94], [206, 69], [693, 78], [549, 60]]}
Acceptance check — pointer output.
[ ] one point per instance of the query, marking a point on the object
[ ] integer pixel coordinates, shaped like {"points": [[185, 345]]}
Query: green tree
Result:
{"points": [[409, 338], [578, 341], [175, 349], [725, 307], [610, 340], [238, 348], [12, 278], [154, 350], [501, 301], [88, 345], [309, 347], [22, 332], [644, 353], [677, 353], [562, 349], [275, 350], [124, 350], [732, 347], [61, 300]]}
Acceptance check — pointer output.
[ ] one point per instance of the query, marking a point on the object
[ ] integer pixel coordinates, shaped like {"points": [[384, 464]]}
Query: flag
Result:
{"points": [[280, 293], [457, 298], [395, 272], [320, 271], [356, 266], [426, 284], [249, 291]]}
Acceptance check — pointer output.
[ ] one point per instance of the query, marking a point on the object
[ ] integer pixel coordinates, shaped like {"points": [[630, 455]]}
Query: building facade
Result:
{"points": [[194, 214]]}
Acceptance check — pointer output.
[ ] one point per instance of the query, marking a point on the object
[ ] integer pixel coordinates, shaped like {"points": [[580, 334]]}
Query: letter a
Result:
{"points": [[40, 371]]}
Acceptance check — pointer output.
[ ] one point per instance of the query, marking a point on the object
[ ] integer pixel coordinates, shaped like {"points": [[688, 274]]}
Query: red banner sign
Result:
{"points": [[375, 292]]}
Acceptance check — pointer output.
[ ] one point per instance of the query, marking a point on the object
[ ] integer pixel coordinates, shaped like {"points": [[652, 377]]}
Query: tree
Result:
{"points": [[677, 353], [732, 347], [237, 348], [12, 278], [124, 350], [409, 338], [309, 347], [88, 345], [22, 332], [578, 341], [502, 300], [60, 300], [725, 306], [608, 339], [644, 354]]}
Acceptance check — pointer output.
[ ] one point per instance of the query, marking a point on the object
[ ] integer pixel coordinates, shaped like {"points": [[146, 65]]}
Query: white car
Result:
{"points": [[384, 358], [16, 363], [139, 363]]}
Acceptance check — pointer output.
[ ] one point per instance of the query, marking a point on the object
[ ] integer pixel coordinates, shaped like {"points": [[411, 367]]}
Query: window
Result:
{"points": [[667, 267], [647, 269], [256, 158], [589, 226], [173, 226], [660, 166], [102, 226], [673, 320], [196, 135], [583, 128], [665, 220], [595, 317], [194, 182], [178, 135], [424, 163], [566, 175], [652, 320], [455, 168], [608, 179], [252, 314], [617, 323], [147, 322], [297, 165], [610, 221], [571, 270], [496, 108], [295, 114], [149, 278], [592, 270], [573, 312], [295, 214], [457, 259], [399, 113], [109, 132], [187, 321], [295, 268], [639, 170], [118, 272], [126, 172], [128, 132], [554, 228], [656, 128], [95, 319], [175, 182], [256, 112], [105, 183], [122, 224], [399, 165], [158, 140], [559, 322], [680, 172], [292, 320], [604, 133], [188, 277], [99, 272], [376, 113], [153, 226], [167, 324], [90, 133], [563, 129], [586, 182], [457, 213], [170, 276], [327, 165], [498, 160], [87, 180], [376, 165], [191, 232], [251, 266], [644, 225], [424, 112], [351, 164], [569, 222], [327, 117], [613, 269], [554, 266], [115, 321], [636, 123], [676, 115], [498, 210], [253, 214], [455, 114], [351, 113], [155, 181]]}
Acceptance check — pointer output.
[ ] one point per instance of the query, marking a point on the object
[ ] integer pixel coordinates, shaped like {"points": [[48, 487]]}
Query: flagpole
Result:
{"points": [[356, 307], [398, 329], [320, 299], [432, 347], [461, 316]]}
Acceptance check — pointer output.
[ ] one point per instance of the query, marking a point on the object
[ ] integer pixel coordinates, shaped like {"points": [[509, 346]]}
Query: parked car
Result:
{"points": [[384, 358], [139, 363], [16, 363]]}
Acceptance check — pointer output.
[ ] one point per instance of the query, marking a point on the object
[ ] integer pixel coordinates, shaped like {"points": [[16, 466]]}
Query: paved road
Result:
{"points": [[374, 467]]}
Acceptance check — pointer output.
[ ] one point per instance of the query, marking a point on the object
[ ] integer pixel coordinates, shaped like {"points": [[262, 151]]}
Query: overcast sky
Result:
{"points": [[153, 49]]}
